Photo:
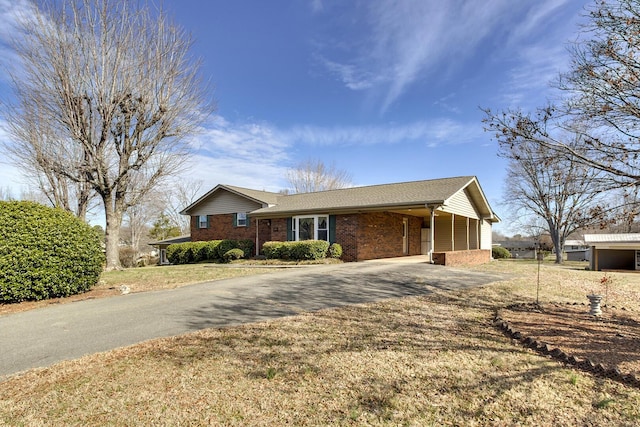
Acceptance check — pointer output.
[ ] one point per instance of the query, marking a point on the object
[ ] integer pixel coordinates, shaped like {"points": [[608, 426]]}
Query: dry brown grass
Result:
{"points": [[145, 279], [431, 360]]}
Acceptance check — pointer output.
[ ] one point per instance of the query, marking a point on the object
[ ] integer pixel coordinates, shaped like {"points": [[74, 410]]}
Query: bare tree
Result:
{"points": [[31, 155], [139, 217], [557, 190], [602, 99], [314, 175], [182, 193], [115, 93]]}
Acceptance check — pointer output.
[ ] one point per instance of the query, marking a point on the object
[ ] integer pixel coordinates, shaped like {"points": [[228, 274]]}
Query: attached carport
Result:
{"points": [[614, 251]]}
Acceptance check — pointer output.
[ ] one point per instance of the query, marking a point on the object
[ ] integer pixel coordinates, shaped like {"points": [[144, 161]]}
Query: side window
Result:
{"points": [[241, 219], [323, 228], [203, 221]]}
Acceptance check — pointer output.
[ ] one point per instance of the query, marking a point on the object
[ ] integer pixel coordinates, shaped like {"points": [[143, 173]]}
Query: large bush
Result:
{"points": [[498, 252], [45, 253]]}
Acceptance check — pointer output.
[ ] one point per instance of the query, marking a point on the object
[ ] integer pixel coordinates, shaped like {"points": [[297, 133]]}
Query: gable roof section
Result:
{"points": [[265, 198], [415, 194]]}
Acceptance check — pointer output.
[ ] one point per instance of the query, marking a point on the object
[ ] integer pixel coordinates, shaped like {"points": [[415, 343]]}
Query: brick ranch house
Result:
{"points": [[378, 221]]}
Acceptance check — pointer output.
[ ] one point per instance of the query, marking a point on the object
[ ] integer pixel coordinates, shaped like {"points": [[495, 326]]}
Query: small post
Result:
{"points": [[539, 256]]}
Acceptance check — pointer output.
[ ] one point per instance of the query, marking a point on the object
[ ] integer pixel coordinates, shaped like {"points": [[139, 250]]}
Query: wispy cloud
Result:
{"points": [[412, 40], [429, 132], [538, 46], [408, 40], [257, 155]]}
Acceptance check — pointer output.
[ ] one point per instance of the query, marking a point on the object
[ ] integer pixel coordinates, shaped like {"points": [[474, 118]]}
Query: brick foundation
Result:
{"points": [[455, 258]]}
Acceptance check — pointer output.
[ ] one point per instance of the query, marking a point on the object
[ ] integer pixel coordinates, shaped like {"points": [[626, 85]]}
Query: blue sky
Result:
{"points": [[387, 90]]}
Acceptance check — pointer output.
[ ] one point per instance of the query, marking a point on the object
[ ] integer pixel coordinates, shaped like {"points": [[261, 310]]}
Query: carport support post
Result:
{"points": [[432, 226]]}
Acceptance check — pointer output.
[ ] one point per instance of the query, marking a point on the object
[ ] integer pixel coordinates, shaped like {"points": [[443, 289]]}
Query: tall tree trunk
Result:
{"points": [[113, 210], [558, 244]]}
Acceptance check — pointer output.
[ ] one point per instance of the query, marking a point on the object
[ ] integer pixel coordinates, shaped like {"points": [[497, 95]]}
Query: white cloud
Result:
{"points": [[257, 155], [409, 39], [538, 46], [431, 132]]}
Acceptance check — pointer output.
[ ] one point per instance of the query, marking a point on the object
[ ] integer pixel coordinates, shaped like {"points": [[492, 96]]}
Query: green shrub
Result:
{"points": [[205, 251], [246, 246], [272, 250], [233, 254], [309, 250], [45, 253], [498, 252], [298, 251], [224, 247], [175, 252], [199, 251], [212, 249], [335, 251]]}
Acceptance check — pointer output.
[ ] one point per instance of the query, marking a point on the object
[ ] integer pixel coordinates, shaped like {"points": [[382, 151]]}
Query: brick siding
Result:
{"points": [[362, 236], [221, 227], [456, 258]]}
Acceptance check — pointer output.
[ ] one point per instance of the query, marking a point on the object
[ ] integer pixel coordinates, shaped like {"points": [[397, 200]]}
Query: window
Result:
{"points": [[310, 227], [241, 219], [203, 221]]}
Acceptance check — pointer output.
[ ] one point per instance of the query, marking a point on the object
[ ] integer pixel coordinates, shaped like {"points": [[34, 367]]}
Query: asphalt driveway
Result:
{"points": [[41, 337]]}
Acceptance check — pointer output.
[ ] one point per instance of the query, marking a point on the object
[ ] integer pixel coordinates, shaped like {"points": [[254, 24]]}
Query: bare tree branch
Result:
{"points": [[115, 92], [314, 175]]}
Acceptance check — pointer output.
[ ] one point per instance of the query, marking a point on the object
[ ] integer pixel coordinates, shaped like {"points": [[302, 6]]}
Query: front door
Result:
{"points": [[405, 236]]}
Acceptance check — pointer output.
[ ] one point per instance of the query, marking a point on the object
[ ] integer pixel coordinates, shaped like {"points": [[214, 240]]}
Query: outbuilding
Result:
{"points": [[614, 251]]}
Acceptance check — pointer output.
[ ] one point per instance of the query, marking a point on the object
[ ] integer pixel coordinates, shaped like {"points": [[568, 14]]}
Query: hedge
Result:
{"points": [[207, 251], [335, 251], [45, 253], [498, 252], [298, 251]]}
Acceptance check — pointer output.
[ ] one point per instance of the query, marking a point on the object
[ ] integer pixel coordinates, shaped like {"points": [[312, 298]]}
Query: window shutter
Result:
{"points": [[208, 222], [290, 236], [235, 219], [332, 228], [247, 221]]}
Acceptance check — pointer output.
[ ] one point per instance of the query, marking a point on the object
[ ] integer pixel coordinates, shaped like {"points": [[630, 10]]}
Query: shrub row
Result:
{"points": [[303, 250], [212, 251], [45, 253]]}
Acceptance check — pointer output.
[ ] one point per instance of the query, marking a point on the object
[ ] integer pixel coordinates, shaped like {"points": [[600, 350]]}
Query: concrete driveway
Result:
{"points": [[41, 337]]}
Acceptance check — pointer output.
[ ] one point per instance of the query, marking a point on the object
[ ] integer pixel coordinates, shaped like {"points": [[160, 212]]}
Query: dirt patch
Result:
{"points": [[612, 339]]}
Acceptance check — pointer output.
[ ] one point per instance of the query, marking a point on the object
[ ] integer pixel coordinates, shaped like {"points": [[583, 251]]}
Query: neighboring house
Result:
{"points": [[523, 249], [577, 250], [372, 222], [614, 251], [162, 246]]}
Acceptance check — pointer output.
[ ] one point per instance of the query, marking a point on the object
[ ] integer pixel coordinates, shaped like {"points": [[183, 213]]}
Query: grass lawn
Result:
{"points": [[431, 360]]}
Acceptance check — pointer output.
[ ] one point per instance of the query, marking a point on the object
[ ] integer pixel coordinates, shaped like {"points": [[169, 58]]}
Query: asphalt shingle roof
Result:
{"points": [[385, 195], [262, 196]]}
